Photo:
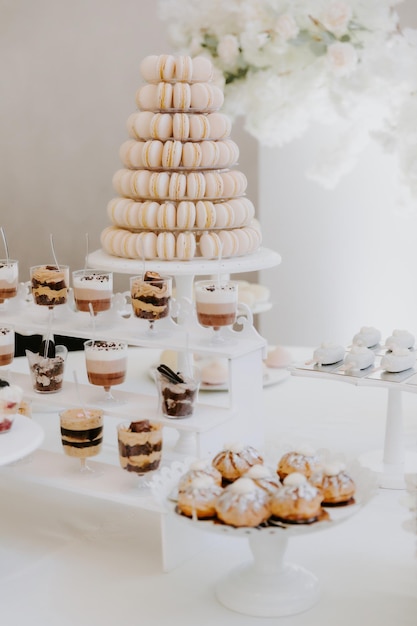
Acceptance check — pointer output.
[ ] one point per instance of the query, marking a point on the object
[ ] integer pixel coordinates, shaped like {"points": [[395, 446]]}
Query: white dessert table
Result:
{"points": [[69, 559]]}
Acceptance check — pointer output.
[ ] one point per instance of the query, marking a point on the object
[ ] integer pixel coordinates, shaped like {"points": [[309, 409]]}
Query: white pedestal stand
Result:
{"points": [[267, 586], [393, 462]]}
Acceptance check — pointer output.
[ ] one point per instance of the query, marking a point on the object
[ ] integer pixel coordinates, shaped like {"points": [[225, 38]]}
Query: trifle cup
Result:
{"points": [[47, 372], [177, 392], [9, 276], [151, 295], [82, 434], [49, 284], [92, 287], [140, 447], [216, 303]]}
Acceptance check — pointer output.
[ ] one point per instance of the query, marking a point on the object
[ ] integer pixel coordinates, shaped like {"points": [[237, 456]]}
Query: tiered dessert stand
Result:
{"points": [[393, 462]]}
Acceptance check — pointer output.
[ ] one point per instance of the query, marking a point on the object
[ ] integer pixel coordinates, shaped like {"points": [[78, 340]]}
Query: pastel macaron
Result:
{"points": [[186, 214], [165, 246], [155, 68], [186, 246]]}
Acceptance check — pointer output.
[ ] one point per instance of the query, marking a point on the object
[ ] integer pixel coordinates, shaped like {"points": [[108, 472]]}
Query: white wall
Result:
{"points": [[70, 70]]}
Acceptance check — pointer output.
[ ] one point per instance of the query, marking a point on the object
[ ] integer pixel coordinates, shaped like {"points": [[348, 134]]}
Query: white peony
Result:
{"points": [[228, 50], [341, 58], [336, 18], [286, 27]]}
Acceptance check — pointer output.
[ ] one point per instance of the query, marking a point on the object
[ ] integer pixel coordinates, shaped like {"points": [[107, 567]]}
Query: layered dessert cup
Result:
{"points": [[150, 295], [216, 303], [92, 287], [81, 432], [49, 284], [9, 275], [140, 446], [6, 345], [177, 393], [106, 362], [47, 372]]}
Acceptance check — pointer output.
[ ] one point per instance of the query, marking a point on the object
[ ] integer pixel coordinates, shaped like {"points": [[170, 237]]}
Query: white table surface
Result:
{"points": [[71, 560]]}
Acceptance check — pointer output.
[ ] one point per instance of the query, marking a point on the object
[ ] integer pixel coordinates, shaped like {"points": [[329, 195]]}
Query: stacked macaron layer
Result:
{"points": [[179, 195]]}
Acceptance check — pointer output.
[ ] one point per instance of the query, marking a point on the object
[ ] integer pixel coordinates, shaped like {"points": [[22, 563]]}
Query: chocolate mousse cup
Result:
{"points": [[216, 303], [106, 362], [9, 276], [49, 284], [92, 287], [150, 295], [177, 396]]}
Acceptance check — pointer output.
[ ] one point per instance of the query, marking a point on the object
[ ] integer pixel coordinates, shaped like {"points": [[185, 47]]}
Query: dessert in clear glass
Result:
{"points": [[9, 276], [6, 344], [216, 304], [92, 287], [10, 399], [47, 367], [151, 295], [82, 434], [140, 448], [106, 364], [49, 284], [177, 393]]}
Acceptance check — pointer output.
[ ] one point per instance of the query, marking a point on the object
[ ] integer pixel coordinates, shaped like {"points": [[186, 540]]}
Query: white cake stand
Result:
{"points": [[267, 586]]}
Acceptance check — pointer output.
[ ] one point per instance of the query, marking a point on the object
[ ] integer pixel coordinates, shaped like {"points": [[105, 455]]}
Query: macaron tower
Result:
{"points": [[179, 194]]}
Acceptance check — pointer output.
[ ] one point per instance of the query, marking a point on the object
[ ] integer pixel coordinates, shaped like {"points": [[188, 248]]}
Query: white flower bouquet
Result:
{"points": [[288, 64]]}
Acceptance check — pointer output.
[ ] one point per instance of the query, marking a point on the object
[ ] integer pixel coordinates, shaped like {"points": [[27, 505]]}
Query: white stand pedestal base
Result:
{"points": [[268, 587]]}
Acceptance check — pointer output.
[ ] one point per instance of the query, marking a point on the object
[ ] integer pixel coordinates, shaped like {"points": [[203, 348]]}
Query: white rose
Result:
{"points": [[228, 50], [286, 27], [341, 58], [337, 17]]}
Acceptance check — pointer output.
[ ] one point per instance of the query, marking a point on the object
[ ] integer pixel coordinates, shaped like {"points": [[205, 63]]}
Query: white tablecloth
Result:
{"points": [[71, 560]]}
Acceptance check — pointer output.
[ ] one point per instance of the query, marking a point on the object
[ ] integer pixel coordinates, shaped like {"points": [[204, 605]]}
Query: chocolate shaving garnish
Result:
{"points": [[169, 374], [4, 383]]}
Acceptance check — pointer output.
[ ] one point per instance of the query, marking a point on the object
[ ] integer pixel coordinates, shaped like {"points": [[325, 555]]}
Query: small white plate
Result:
{"points": [[22, 439]]}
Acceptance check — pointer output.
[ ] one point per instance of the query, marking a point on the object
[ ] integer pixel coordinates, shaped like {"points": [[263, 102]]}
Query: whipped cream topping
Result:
{"points": [[202, 482], [295, 479], [356, 349], [258, 471], [11, 395], [236, 446], [242, 486], [333, 469]]}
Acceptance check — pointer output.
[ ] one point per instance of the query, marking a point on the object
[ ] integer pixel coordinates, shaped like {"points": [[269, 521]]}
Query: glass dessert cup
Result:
{"points": [[150, 295], [9, 277], [49, 284], [216, 305], [140, 449], [106, 365], [7, 347], [177, 392], [47, 372], [93, 290], [82, 435]]}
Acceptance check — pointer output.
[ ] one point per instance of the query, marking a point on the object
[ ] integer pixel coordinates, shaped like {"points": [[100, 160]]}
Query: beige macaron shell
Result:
{"points": [[140, 183], [244, 241], [138, 124], [150, 215], [161, 126], [159, 185], [171, 154], [121, 182], [165, 67], [181, 96], [210, 245], [166, 217], [196, 185], [147, 67], [205, 214], [227, 243], [220, 125], [181, 126], [199, 127], [147, 97], [217, 99], [149, 245], [164, 97], [186, 246], [165, 246], [201, 96], [214, 185], [186, 214], [202, 69], [192, 154], [152, 153], [131, 214], [177, 186], [183, 68], [210, 152], [131, 153]]}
